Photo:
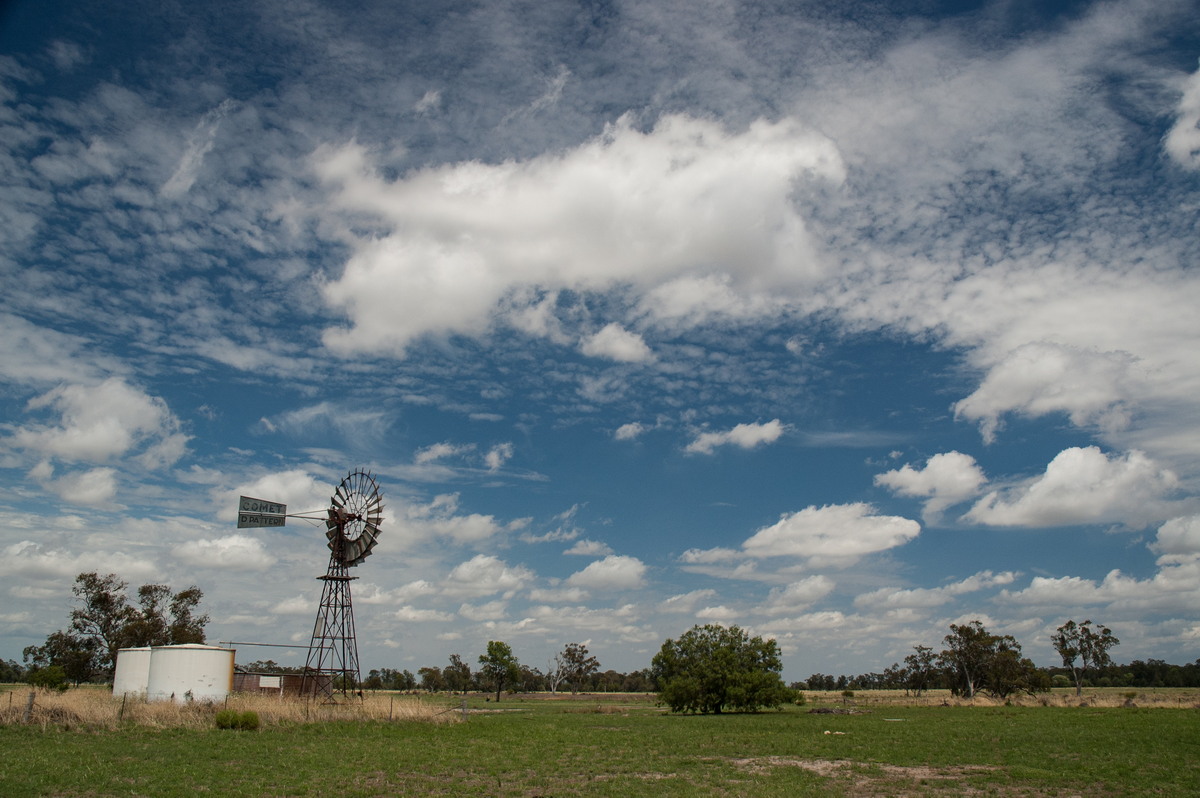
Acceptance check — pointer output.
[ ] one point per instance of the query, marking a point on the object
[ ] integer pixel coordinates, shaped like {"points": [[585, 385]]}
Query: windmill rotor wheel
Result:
{"points": [[355, 512]]}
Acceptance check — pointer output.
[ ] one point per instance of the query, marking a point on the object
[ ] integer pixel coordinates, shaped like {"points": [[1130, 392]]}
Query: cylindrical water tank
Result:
{"points": [[190, 672], [132, 673]]}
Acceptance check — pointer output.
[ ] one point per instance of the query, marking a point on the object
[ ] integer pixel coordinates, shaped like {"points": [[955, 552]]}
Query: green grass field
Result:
{"points": [[625, 746]]}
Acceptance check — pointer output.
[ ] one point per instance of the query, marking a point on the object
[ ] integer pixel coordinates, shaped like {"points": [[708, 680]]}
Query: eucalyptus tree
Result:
{"points": [[1083, 648]]}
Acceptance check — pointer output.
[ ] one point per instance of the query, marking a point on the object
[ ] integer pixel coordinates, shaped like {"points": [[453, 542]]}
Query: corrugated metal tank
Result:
{"points": [[132, 673], [190, 672]]}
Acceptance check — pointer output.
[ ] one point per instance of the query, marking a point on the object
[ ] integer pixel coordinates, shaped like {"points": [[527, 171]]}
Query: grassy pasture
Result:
{"points": [[621, 745]]}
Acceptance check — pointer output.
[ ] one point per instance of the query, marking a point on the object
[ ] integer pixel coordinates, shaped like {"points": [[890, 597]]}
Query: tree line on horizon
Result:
{"points": [[706, 669]]}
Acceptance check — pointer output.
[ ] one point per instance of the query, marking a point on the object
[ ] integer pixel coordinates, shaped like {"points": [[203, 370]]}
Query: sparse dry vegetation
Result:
{"points": [[97, 708]]}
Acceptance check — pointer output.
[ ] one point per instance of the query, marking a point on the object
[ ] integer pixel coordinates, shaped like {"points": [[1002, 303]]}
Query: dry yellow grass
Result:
{"points": [[97, 708], [1174, 697]]}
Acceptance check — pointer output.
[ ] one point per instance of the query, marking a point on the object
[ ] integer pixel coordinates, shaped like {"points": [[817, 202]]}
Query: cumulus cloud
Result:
{"points": [[439, 519], [626, 207], [839, 534], [888, 598], [483, 575], [1083, 486], [835, 536], [101, 422], [589, 548], [1179, 537], [93, 487], [30, 559], [1040, 378], [498, 455], [1174, 588], [413, 615], [797, 596], [947, 479], [630, 431], [745, 436], [233, 552], [614, 342], [614, 572]]}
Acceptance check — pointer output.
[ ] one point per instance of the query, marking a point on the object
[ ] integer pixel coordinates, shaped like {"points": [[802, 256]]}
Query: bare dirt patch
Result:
{"points": [[859, 779]]}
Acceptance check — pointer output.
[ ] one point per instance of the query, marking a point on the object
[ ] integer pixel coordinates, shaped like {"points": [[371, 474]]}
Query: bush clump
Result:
{"points": [[239, 721]]}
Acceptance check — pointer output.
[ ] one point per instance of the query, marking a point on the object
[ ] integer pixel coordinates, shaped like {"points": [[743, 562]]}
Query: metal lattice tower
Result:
{"points": [[332, 664], [352, 527]]}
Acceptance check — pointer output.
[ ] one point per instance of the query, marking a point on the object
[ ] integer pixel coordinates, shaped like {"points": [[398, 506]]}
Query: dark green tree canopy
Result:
{"points": [[500, 667], [978, 661], [104, 621], [711, 669]]}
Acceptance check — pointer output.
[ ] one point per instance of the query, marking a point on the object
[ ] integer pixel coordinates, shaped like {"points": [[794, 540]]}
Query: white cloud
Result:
{"points": [[233, 552], [614, 342], [27, 559], [566, 595], [626, 207], [746, 436], [483, 575], [630, 431], [685, 603], [439, 520], [838, 534], [93, 487], [947, 479], [797, 596], [1175, 588], [1083, 486], [100, 422], [718, 614], [589, 548], [889, 598], [413, 615], [1182, 141], [1178, 537], [1040, 378], [614, 572], [498, 455], [440, 451], [295, 605]]}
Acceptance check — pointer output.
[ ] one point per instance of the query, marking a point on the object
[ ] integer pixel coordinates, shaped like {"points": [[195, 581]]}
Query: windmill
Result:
{"points": [[352, 528]]}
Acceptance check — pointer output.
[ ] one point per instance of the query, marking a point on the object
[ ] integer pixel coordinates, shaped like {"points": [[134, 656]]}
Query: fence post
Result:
{"points": [[29, 707], [464, 708]]}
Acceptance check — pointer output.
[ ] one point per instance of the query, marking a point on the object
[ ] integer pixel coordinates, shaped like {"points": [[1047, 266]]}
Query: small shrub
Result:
{"points": [[801, 699], [228, 719], [248, 721]]}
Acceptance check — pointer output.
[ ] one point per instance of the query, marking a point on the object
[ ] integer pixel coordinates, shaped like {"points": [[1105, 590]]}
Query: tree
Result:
{"points": [[969, 647], [712, 668], [76, 656], [921, 669], [574, 665], [1085, 645], [981, 661], [457, 675], [103, 622], [431, 679], [500, 667]]}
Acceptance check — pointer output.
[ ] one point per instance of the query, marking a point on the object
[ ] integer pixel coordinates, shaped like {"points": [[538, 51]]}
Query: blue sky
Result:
{"points": [[841, 322]]}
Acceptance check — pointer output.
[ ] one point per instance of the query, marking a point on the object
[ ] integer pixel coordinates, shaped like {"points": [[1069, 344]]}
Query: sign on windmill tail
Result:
{"points": [[259, 513]]}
